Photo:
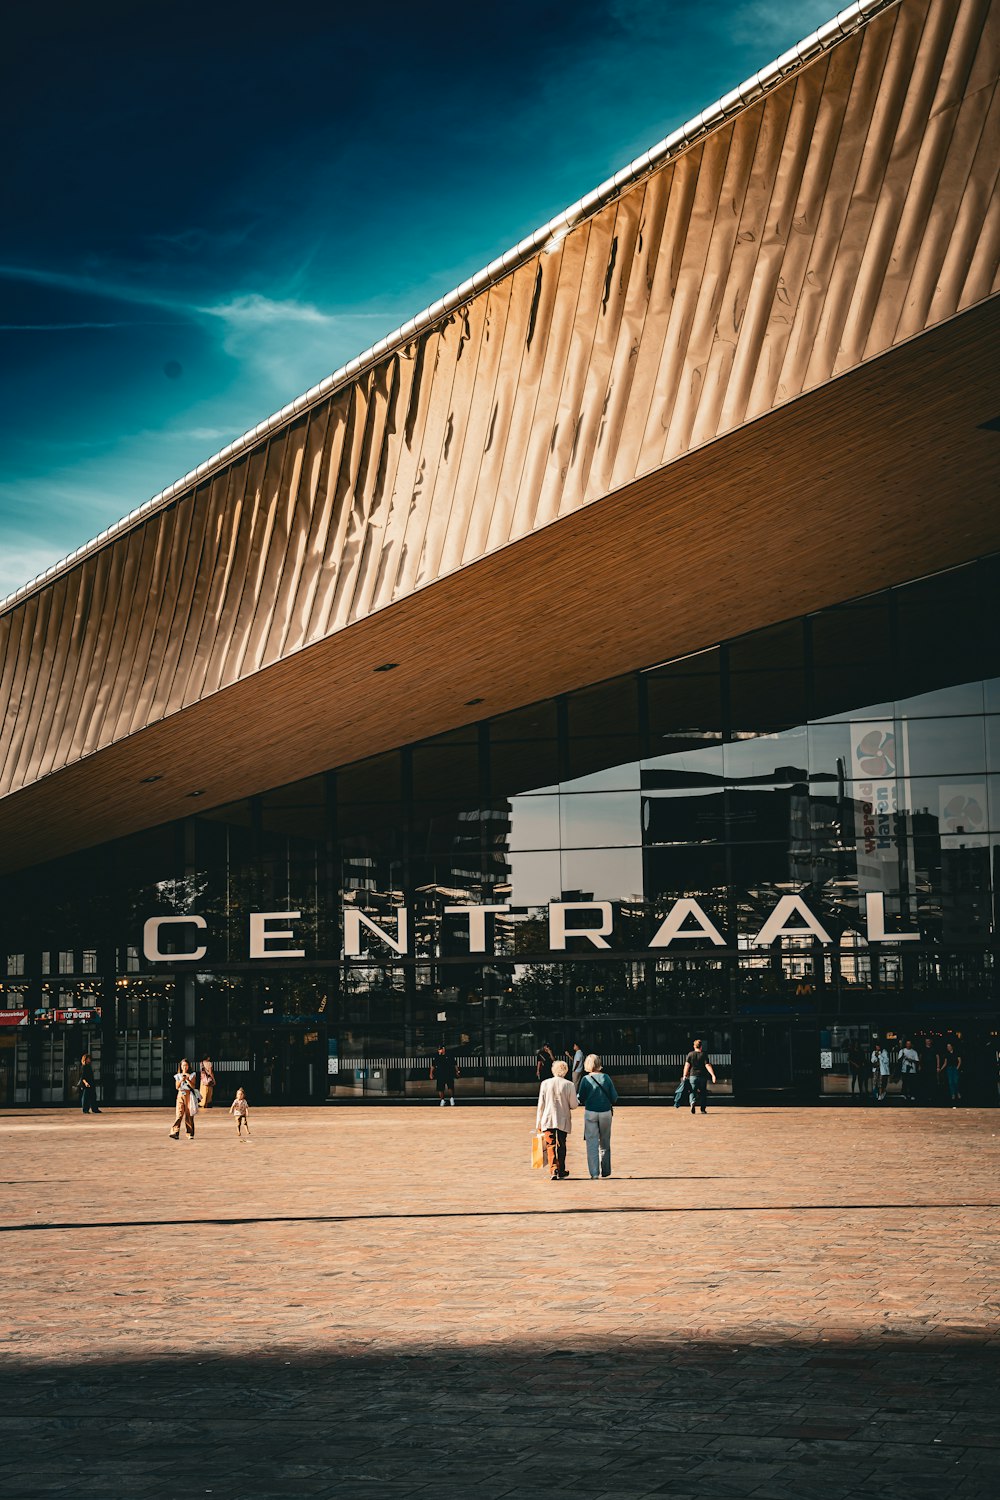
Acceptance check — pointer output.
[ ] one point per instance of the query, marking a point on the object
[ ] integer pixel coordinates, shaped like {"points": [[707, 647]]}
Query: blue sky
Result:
{"points": [[210, 206]]}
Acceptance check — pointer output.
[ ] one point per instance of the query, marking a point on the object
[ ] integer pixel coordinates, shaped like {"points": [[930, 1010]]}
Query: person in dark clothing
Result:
{"points": [[544, 1059], [697, 1071], [855, 1066], [951, 1066], [88, 1087], [444, 1071]]}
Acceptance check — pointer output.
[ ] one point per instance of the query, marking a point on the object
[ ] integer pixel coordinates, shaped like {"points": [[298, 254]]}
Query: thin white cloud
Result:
{"points": [[253, 310], [197, 434]]}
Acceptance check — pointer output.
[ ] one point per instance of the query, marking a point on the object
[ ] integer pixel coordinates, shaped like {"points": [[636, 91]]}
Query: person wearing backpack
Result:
{"points": [[598, 1096]]}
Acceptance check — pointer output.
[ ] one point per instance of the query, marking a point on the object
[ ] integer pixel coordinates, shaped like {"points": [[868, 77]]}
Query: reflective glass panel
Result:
{"points": [[602, 764], [446, 772], [767, 688], [935, 745], [684, 704], [691, 765], [951, 803], [852, 671], [375, 780], [684, 817], [768, 812], [939, 630], [523, 766], [772, 758], [535, 878], [965, 698], [534, 823], [602, 874], [600, 818], [992, 723]]}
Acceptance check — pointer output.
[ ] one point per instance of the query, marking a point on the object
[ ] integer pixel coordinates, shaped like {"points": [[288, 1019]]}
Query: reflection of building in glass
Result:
{"points": [[659, 565]]}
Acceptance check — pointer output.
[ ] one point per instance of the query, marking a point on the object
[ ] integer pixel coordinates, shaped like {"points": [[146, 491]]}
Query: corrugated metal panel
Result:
{"points": [[851, 207]]}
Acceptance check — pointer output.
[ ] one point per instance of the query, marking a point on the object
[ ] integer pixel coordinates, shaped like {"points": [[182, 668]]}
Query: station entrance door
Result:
{"points": [[776, 1062], [289, 1065]]}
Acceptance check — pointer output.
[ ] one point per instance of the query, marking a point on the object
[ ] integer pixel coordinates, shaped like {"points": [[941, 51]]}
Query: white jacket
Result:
{"points": [[556, 1099]]}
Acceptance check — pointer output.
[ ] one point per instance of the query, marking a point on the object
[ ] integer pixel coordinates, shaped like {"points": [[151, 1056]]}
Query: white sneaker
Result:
{"points": [[442, 1104], [451, 1101]]}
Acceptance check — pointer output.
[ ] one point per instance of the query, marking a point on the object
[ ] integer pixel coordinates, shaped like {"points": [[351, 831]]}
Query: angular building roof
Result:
{"points": [[746, 377]]}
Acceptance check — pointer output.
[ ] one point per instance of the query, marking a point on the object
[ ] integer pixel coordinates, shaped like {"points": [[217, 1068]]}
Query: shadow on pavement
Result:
{"points": [[685, 1209], [779, 1419]]}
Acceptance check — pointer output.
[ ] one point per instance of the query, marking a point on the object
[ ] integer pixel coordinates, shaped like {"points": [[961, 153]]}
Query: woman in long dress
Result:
{"points": [[185, 1084]]}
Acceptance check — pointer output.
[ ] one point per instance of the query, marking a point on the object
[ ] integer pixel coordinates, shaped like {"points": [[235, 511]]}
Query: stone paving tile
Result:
{"points": [[786, 1303]]}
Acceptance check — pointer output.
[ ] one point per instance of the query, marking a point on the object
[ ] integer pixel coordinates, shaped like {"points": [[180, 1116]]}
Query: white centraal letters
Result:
{"points": [[875, 921], [151, 939], [352, 931], [260, 937], [678, 914], [685, 921], [777, 926], [477, 923], [559, 932]]}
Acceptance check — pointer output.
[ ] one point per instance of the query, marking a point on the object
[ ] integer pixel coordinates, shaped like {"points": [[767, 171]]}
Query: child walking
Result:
{"points": [[241, 1110]]}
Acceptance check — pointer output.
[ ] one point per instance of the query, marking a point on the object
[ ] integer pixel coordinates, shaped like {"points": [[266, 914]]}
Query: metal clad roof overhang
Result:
{"points": [[875, 478], [845, 213]]}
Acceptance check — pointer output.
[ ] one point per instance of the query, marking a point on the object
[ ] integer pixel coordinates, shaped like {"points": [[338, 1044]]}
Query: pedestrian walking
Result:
{"points": [[909, 1061], [543, 1062], [240, 1110], [697, 1071], [951, 1066], [206, 1083], [553, 1117], [855, 1067], [88, 1086], [881, 1067], [184, 1083], [444, 1071], [575, 1057], [598, 1097]]}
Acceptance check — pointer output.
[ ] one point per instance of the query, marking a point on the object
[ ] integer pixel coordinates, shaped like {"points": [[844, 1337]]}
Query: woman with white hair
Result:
{"points": [[556, 1101], [598, 1096]]}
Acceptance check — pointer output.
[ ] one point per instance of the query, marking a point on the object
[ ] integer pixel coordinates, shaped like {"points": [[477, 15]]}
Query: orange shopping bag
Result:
{"points": [[537, 1150]]}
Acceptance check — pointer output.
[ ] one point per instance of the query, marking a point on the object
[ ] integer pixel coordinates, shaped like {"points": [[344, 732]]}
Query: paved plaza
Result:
{"points": [[388, 1301]]}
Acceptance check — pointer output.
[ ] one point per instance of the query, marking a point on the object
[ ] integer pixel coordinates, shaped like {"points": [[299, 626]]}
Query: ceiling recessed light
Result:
{"points": [[470, 702], [387, 666], [148, 780], [197, 794]]}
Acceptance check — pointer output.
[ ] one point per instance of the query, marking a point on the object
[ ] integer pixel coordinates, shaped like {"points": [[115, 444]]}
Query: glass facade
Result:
{"points": [[849, 759]]}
